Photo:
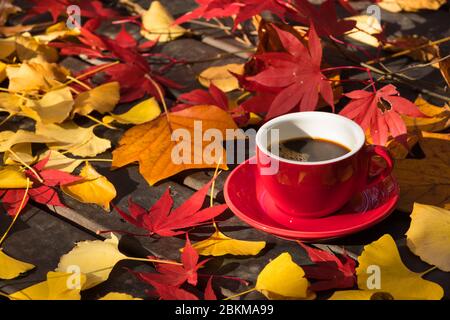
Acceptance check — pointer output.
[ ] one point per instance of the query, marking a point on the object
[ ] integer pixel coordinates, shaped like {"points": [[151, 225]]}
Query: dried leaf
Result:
{"points": [[221, 77], [144, 111], [11, 268], [95, 258], [425, 54], [426, 180], [444, 66], [94, 188], [54, 288], [282, 278], [428, 235], [151, 145], [7, 8], [158, 24], [395, 279], [102, 99]]}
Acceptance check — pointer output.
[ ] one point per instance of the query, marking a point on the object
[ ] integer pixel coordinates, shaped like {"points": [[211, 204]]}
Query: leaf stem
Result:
{"points": [[84, 85], [428, 271], [100, 68], [239, 294], [17, 213], [161, 96]]}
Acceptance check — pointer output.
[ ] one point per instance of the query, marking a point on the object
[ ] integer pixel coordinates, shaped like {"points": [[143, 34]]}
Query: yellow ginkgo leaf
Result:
{"points": [[11, 268], [144, 111], [118, 296], [94, 188], [282, 278], [157, 24], [34, 75], [28, 47], [8, 139], [54, 107], [58, 286], [429, 235], [408, 5], [102, 99], [11, 177], [381, 269], [19, 153], [438, 118], [95, 259], [7, 47], [219, 244], [361, 295], [366, 27], [57, 31], [221, 77], [10, 103], [72, 138], [58, 161]]}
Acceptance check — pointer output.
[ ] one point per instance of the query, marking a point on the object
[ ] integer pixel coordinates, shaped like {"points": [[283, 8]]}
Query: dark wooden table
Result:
{"points": [[43, 234]]}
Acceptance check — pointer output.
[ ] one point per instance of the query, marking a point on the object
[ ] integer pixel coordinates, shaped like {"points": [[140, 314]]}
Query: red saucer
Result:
{"points": [[252, 204]]}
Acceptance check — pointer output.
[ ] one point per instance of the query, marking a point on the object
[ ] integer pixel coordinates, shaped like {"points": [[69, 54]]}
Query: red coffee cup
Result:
{"points": [[316, 189]]}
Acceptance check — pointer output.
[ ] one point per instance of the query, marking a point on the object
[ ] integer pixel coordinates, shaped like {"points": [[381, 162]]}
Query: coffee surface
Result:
{"points": [[310, 149]]}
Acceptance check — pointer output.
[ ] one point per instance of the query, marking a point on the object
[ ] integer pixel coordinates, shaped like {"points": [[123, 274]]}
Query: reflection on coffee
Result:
{"points": [[310, 149]]}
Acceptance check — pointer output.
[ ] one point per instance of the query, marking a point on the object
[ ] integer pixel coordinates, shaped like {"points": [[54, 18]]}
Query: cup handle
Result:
{"points": [[375, 150]]}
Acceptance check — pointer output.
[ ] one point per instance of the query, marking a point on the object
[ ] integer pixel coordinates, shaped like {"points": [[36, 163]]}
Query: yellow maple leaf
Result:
{"points": [[94, 188], [429, 235], [157, 24], [11, 268], [394, 277], [426, 180], [56, 287], [152, 144], [29, 47], [282, 278]]}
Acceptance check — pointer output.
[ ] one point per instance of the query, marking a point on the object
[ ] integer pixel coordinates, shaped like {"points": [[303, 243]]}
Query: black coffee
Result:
{"points": [[310, 149]]}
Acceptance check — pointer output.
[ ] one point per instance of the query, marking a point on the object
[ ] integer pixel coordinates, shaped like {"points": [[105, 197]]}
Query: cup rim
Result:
{"points": [[299, 115]]}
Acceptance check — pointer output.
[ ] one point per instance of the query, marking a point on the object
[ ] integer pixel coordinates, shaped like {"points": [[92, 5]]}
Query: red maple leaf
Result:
{"points": [[176, 275], [330, 271], [90, 9], [295, 76], [162, 220], [209, 291], [379, 112], [134, 74], [241, 10], [42, 190]]}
